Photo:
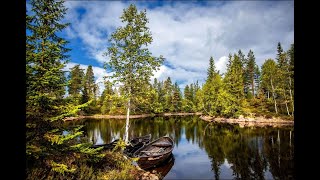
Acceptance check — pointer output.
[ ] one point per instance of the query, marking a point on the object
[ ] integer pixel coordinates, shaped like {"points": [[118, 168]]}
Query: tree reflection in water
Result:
{"points": [[251, 153]]}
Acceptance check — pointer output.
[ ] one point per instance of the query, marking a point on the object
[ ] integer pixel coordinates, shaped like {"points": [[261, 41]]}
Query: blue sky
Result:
{"points": [[185, 33]]}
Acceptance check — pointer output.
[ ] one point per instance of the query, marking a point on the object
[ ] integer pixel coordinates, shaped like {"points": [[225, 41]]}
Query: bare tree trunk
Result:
{"points": [[291, 95], [285, 98], [287, 109], [274, 98], [127, 123]]}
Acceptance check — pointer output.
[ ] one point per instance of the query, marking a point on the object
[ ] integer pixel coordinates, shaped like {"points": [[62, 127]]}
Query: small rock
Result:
{"points": [[153, 177]]}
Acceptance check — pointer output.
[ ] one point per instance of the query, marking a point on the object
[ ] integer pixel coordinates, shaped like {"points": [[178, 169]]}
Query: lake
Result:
{"points": [[206, 150]]}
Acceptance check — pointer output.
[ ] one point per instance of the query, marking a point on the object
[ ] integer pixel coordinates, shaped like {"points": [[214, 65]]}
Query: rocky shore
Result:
{"points": [[248, 122]]}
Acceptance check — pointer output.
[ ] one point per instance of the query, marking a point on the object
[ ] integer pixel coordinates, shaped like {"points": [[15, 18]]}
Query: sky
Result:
{"points": [[186, 33]]}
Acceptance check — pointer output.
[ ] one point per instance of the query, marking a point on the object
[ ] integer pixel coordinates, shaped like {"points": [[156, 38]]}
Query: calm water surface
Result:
{"points": [[206, 150]]}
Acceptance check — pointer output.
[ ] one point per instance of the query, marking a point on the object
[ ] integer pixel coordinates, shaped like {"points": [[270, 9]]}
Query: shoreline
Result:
{"points": [[100, 116], [250, 122], [241, 121]]}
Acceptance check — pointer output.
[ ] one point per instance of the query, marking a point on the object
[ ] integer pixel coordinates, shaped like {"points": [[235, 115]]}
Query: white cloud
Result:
{"points": [[221, 64], [187, 34], [180, 75]]}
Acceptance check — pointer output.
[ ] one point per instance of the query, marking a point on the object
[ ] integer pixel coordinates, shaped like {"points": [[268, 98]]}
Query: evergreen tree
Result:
{"points": [[75, 85], [212, 68], [257, 78], [242, 59], [106, 97], [89, 83], [161, 95], [187, 92], [46, 145], [279, 52], [250, 71], [131, 61], [233, 83], [167, 85], [187, 103], [176, 99], [191, 98]]}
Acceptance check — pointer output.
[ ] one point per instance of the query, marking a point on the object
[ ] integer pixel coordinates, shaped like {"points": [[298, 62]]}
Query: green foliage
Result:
{"points": [[130, 60], [47, 145], [250, 72], [75, 85], [233, 84], [212, 69], [89, 90], [120, 146], [61, 168], [176, 99]]}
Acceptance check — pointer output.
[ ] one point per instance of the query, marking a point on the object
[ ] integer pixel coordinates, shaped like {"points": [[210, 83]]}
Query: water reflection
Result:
{"points": [[208, 150]]}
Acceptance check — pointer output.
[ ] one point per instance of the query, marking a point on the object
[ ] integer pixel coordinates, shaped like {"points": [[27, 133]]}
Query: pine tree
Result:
{"points": [[106, 97], [46, 146], [131, 61], [257, 78], [75, 85], [176, 99], [187, 102], [233, 83], [279, 52], [167, 86], [212, 69], [250, 71], [89, 83], [162, 94]]}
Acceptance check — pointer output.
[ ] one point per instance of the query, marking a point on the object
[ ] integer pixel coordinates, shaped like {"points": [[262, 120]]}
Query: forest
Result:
{"points": [[244, 89], [51, 153]]}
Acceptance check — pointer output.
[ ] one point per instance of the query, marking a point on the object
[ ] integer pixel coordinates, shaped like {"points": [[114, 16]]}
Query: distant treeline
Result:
{"points": [[244, 88]]}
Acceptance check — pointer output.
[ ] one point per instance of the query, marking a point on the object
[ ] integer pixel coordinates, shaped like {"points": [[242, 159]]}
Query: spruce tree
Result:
{"points": [[211, 69], [177, 98], [167, 86], [46, 145], [233, 84], [89, 83], [75, 85], [250, 71], [106, 97]]}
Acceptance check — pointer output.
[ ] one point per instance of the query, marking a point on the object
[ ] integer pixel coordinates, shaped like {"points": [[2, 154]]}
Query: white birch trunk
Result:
{"points": [[291, 96], [287, 109], [285, 96], [127, 123], [274, 98]]}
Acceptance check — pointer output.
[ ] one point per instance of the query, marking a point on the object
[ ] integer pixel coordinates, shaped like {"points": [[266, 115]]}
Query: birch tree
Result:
{"points": [[130, 59], [269, 73]]}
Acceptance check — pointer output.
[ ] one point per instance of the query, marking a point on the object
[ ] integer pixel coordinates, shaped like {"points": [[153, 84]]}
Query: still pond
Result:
{"points": [[207, 150]]}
